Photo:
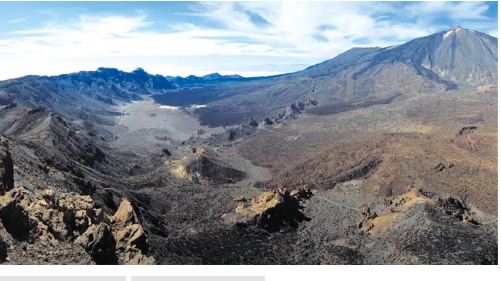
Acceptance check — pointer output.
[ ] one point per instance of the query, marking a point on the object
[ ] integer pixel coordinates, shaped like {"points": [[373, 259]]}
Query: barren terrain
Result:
{"points": [[372, 157]]}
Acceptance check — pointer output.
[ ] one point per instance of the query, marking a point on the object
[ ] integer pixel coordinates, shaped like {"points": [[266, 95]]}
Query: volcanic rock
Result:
{"points": [[399, 206], [366, 224], [291, 112], [270, 210], [253, 122], [129, 236], [423, 234], [442, 166], [204, 167], [15, 217], [51, 217], [6, 167], [267, 121], [312, 101], [456, 208], [125, 214], [99, 242]]}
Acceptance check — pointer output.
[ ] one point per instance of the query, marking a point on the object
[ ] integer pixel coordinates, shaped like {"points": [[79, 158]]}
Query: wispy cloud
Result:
{"points": [[455, 10], [16, 20]]}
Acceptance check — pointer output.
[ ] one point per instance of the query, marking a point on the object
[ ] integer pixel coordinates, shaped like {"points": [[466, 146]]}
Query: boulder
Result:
{"points": [[6, 167], [312, 101], [131, 236], [253, 122], [301, 194], [166, 152], [267, 121], [366, 223], [99, 243], [131, 239], [125, 214], [15, 217], [79, 212], [138, 258]]}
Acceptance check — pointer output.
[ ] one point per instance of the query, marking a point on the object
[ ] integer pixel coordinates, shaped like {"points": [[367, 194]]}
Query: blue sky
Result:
{"points": [[182, 38]]}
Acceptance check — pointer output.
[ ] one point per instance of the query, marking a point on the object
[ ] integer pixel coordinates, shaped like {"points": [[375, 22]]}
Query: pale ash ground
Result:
{"points": [[146, 124]]}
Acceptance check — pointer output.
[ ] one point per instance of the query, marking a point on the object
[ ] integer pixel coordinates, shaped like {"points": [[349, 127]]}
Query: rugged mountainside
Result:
{"points": [[431, 64], [54, 146], [459, 55], [377, 156], [85, 95]]}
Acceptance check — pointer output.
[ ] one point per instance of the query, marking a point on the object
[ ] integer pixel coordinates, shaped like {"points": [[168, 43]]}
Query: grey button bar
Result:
{"points": [[62, 278], [198, 278]]}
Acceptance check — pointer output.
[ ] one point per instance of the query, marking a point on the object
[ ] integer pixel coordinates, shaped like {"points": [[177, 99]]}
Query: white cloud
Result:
{"points": [[111, 25], [296, 25]]}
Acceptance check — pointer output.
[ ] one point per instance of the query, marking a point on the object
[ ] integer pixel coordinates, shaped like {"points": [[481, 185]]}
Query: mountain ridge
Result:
{"points": [[439, 62]]}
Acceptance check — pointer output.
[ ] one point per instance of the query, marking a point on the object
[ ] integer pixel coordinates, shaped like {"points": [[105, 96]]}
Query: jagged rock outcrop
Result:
{"points": [[15, 216], [99, 243], [130, 237], [253, 122], [232, 134], [291, 112], [271, 210], [6, 167], [204, 167], [398, 206], [421, 231], [51, 217], [312, 101], [467, 139], [368, 215], [456, 208], [267, 121]]}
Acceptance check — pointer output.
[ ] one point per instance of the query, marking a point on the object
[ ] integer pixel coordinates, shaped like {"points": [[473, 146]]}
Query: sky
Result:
{"points": [[184, 38]]}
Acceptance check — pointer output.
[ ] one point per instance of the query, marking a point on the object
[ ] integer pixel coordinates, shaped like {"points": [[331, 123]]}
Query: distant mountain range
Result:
{"points": [[448, 60], [213, 77]]}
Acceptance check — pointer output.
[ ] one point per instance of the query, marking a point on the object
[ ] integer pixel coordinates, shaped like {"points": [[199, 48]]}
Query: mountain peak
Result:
{"points": [[139, 70], [459, 55], [456, 27], [212, 76], [454, 30], [106, 69]]}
